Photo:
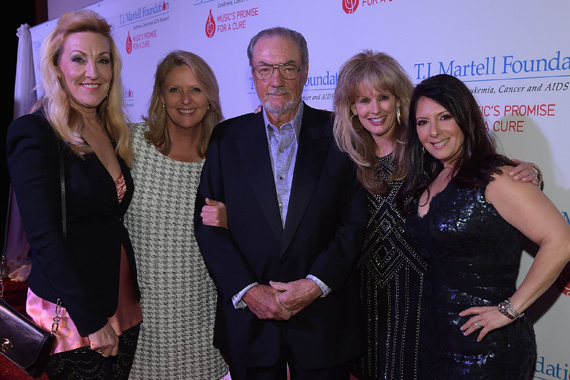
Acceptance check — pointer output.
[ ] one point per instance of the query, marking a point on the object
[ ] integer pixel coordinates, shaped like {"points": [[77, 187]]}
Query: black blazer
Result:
{"points": [[322, 236], [82, 269]]}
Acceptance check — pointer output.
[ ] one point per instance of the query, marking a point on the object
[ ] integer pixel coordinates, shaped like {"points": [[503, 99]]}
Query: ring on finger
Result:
{"points": [[477, 324]]}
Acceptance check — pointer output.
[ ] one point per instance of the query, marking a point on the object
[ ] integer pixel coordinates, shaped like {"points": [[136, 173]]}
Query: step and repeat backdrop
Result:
{"points": [[514, 56]]}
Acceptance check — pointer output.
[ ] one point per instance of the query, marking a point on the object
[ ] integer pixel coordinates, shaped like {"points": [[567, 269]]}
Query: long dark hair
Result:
{"points": [[478, 158]]}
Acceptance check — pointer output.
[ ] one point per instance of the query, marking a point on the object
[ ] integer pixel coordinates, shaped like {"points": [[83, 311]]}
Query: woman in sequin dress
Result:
{"points": [[371, 106], [466, 220]]}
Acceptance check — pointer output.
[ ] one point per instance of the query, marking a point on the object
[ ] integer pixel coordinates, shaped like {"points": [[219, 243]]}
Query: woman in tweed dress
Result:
{"points": [[178, 296]]}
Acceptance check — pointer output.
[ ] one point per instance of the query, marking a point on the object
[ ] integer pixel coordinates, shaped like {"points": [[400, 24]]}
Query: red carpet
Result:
{"points": [[15, 295]]}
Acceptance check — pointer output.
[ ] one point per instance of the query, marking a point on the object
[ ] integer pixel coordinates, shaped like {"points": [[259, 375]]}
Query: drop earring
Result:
{"points": [[398, 114]]}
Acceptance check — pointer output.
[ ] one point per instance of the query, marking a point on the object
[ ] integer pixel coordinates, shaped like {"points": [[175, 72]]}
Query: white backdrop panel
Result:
{"points": [[513, 55]]}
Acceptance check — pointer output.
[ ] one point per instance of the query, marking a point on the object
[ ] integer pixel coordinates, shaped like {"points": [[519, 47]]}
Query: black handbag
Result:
{"points": [[24, 343]]}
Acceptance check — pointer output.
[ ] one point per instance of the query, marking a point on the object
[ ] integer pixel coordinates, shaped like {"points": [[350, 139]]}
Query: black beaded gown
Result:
{"points": [[473, 258], [391, 275]]}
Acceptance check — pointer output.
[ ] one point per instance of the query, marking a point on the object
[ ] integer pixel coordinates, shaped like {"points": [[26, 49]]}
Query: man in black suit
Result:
{"points": [[296, 216]]}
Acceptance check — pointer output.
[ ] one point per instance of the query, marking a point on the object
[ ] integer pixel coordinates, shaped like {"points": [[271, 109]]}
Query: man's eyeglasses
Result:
{"points": [[286, 70]]}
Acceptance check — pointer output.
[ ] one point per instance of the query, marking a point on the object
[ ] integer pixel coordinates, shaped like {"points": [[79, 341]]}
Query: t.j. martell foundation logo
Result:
{"points": [[129, 46], [210, 26], [349, 6], [129, 97]]}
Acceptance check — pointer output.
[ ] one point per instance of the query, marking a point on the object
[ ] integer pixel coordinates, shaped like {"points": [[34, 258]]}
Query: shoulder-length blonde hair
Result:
{"points": [[378, 71], [157, 133], [56, 101]]}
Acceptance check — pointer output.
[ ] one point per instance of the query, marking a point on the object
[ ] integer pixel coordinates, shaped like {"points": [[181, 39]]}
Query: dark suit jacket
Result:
{"points": [[322, 236], [82, 269]]}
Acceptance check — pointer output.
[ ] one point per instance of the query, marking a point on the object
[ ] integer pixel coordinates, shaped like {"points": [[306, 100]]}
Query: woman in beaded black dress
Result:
{"points": [[371, 107], [466, 220]]}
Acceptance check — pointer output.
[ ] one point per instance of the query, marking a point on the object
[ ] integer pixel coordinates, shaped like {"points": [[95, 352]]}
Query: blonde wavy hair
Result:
{"points": [[157, 133], [56, 102], [379, 71]]}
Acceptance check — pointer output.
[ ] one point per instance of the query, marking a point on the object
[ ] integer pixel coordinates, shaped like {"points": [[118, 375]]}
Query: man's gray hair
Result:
{"points": [[280, 32]]}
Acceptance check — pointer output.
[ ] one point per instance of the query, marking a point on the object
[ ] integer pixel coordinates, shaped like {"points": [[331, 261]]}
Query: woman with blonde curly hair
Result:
{"points": [[83, 268], [371, 108]]}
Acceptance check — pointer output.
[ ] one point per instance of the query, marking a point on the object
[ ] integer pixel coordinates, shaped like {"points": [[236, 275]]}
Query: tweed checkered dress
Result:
{"points": [[178, 295]]}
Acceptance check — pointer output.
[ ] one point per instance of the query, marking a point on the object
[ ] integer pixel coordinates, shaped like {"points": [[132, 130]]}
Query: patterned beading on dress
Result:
{"points": [[391, 288]]}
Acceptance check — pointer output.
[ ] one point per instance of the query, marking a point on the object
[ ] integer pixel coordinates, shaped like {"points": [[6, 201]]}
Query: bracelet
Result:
{"points": [[507, 309], [504, 309], [538, 173], [513, 310]]}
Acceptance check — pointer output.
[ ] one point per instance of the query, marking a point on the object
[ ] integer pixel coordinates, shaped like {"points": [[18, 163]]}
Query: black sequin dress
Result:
{"points": [[473, 257], [391, 275]]}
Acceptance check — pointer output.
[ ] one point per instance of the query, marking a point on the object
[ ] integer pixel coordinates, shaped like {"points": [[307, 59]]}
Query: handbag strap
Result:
{"points": [[3, 260], [62, 191], [3, 257]]}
